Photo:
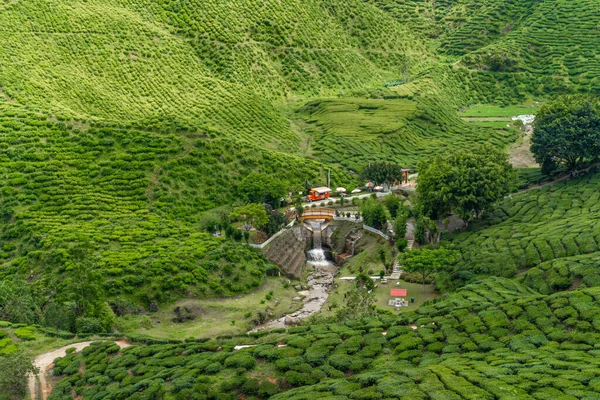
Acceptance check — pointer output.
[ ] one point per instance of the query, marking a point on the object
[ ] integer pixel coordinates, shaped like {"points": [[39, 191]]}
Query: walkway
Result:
{"points": [[552, 182], [44, 361], [318, 213], [323, 203]]}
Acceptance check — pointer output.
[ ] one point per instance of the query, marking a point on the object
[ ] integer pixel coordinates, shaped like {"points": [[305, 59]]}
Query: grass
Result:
{"points": [[214, 316], [491, 111], [420, 293]]}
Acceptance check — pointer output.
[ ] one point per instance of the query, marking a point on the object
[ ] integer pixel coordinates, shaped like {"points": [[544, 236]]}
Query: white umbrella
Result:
{"points": [[357, 190], [369, 184], [340, 190], [378, 188]]}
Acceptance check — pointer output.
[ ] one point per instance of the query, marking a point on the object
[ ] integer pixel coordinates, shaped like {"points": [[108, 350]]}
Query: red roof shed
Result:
{"points": [[398, 292]]}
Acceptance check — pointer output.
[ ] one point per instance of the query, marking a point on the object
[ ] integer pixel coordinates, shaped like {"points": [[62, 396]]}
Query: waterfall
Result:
{"points": [[316, 235], [316, 256]]}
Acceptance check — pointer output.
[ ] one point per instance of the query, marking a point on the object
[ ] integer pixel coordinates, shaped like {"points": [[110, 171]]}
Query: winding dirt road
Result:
{"points": [[44, 361]]}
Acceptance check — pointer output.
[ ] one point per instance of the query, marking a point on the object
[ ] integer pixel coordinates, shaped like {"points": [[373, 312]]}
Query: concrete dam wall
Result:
{"points": [[288, 251]]}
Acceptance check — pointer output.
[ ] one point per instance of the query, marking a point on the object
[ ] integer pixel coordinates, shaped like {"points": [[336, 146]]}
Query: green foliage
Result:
{"points": [[536, 227], [464, 183], [426, 261], [14, 371], [491, 339], [373, 213], [252, 214], [567, 131], [26, 333], [261, 188], [382, 173]]}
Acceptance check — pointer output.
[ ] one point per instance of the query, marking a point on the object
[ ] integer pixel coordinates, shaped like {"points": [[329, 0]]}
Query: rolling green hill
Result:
{"points": [[123, 121], [551, 228]]}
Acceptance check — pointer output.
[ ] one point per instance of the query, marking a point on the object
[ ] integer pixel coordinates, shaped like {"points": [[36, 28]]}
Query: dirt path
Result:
{"points": [[45, 361], [552, 182], [520, 155]]}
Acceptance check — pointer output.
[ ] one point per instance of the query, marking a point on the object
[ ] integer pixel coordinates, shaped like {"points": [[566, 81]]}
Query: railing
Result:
{"points": [[351, 219], [266, 242], [321, 213], [376, 231]]}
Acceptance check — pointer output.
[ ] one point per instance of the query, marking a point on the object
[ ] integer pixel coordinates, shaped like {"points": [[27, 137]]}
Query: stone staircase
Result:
{"points": [[397, 272]]}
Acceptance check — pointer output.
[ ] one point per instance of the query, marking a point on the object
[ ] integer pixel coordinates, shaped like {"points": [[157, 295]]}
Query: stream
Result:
{"points": [[319, 281]]}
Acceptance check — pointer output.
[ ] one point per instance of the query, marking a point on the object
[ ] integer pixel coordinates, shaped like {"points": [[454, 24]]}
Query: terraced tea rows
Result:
{"points": [[353, 132], [528, 347], [307, 48], [535, 227], [134, 196]]}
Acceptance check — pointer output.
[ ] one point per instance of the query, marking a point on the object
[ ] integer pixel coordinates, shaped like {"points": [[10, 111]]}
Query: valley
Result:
{"points": [[159, 164]]}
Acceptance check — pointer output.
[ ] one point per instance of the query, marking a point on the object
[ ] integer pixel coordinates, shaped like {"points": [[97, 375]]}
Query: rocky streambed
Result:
{"points": [[319, 281]]}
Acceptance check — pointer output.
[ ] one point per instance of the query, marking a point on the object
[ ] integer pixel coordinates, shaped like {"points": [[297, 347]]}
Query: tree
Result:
{"points": [[373, 213], [359, 302], [260, 188], [276, 221], [465, 183], [14, 371], [382, 258], [383, 173], [393, 204], [253, 214], [426, 262], [399, 224], [567, 132]]}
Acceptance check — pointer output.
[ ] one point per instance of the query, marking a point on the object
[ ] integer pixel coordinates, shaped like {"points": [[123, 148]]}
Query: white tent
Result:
{"points": [[357, 190], [340, 190]]}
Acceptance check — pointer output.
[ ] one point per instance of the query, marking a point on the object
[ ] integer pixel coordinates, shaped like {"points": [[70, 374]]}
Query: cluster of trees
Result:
{"points": [[567, 133], [382, 173], [464, 183]]}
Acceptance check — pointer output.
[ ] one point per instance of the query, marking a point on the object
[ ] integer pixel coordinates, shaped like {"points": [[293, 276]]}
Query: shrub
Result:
{"points": [[26, 333], [267, 389], [244, 361]]}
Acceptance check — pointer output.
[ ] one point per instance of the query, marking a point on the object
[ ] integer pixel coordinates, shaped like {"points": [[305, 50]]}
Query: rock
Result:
{"points": [[295, 299], [153, 307], [290, 320], [298, 287]]}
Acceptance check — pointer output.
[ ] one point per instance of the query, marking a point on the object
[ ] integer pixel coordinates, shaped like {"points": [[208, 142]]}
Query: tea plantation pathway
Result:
{"points": [[44, 361], [560, 179]]}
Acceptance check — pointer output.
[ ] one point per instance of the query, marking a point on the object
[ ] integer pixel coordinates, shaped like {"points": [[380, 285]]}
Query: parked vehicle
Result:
{"points": [[320, 193]]}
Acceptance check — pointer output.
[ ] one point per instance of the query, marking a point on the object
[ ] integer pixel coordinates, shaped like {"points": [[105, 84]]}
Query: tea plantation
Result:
{"points": [[513, 344], [126, 125], [134, 196], [555, 222]]}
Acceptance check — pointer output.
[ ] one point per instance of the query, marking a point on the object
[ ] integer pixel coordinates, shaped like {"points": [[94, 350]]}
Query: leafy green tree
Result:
{"points": [[382, 173], [18, 303], [426, 262], [14, 371], [277, 220], [382, 257], [359, 302], [373, 213], [81, 291], [254, 215], [464, 183], [399, 225], [261, 188], [567, 132], [393, 204]]}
